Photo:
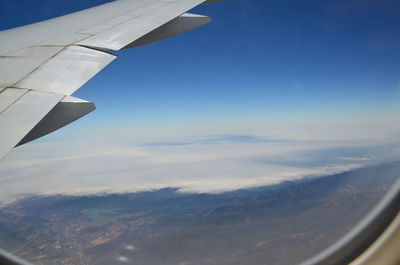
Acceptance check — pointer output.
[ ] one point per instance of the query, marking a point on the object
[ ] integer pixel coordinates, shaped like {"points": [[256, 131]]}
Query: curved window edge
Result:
{"points": [[363, 235]]}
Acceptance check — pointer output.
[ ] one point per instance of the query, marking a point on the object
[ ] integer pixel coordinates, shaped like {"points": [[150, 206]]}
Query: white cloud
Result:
{"points": [[122, 259], [198, 165], [130, 247]]}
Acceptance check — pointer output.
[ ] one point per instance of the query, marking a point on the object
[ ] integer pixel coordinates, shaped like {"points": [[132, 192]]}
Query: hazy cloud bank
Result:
{"points": [[202, 164]]}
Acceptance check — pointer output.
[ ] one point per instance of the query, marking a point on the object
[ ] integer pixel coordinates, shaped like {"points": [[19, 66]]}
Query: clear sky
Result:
{"points": [[258, 60], [286, 70]]}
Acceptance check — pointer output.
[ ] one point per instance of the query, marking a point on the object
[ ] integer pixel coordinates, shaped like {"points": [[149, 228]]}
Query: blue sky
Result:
{"points": [[258, 60], [269, 91]]}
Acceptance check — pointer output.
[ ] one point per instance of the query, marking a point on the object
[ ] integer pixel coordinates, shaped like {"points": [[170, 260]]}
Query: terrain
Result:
{"points": [[279, 224]]}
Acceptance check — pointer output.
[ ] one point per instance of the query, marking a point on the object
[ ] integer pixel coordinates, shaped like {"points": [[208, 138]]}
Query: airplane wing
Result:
{"points": [[42, 64]]}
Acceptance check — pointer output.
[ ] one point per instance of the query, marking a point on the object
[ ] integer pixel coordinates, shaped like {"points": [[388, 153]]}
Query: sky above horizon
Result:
{"points": [[292, 77], [258, 61]]}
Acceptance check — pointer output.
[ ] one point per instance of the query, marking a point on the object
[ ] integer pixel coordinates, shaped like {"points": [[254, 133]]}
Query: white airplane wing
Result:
{"points": [[42, 64]]}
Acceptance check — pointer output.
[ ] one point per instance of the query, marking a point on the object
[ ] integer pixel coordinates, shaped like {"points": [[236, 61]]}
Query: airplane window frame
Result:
{"points": [[362, 236]]}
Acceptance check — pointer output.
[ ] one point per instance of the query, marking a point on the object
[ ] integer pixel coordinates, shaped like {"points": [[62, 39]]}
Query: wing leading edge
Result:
{"points": [[42, 64]]}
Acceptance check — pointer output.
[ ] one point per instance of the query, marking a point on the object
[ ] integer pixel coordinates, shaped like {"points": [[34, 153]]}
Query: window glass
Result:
{"points": [[260, 138]]}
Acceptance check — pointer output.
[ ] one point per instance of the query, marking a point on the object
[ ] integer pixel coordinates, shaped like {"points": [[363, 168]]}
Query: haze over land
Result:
{"points": [[192, 164]]}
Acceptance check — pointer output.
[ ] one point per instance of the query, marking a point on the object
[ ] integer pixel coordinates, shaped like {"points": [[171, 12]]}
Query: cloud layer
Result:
{"points": [[201, 164]]}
